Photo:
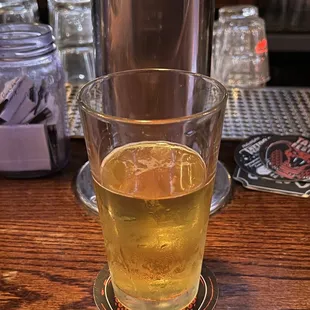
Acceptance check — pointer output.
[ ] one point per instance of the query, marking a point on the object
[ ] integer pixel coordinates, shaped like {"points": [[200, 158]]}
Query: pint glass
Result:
{"points": [[152, 138]]}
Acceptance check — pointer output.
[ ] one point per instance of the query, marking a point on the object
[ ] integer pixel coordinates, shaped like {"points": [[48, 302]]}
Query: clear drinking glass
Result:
{"points": [[72, 24], [78, 63], [240, 48], [152, 138], [18, 11]]}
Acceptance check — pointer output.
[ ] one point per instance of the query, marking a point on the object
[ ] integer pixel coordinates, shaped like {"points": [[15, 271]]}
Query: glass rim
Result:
{"points": [[107, 117]]}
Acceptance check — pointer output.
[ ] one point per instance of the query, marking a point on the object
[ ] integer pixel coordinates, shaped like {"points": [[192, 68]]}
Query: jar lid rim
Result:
{"points": [[25, 40]]}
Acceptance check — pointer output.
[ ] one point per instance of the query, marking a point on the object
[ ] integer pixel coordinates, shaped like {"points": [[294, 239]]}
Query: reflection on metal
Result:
{"points": [[132, 34], [281, 111]]}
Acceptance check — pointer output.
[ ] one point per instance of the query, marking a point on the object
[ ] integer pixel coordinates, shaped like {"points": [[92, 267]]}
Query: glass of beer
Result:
{"points": [[153, 137]]}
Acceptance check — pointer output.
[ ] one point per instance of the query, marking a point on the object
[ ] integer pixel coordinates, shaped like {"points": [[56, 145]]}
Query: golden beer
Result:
{"points": [[154, 201]]}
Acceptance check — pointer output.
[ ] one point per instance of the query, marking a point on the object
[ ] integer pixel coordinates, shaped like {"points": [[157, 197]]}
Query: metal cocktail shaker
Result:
{"points": [[131, 34]]}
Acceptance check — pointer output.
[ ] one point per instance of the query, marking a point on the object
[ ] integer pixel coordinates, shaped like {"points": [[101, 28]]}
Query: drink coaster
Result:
{"points": [[206, 298], [85, 191]]}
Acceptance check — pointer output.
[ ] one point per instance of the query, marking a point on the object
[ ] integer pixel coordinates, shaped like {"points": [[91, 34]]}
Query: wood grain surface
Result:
{"points": [[51, 249]]}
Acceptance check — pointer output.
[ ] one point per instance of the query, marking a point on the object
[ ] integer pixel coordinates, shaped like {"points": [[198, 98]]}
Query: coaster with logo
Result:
{"points": [[206, 298], [275, 164], [288, 157], [253, 182], [247, 157]]}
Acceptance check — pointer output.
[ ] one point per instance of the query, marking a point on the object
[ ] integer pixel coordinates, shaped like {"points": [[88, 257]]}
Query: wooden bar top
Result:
{"points": [[51, 248]]}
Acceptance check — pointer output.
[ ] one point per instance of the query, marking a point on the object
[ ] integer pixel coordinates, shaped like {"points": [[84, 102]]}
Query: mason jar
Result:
{"points": [[33, 133]]}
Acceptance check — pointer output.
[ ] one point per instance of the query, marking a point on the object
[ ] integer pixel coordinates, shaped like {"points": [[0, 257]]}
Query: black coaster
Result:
{"points": [[206, 299], [247, 157]]}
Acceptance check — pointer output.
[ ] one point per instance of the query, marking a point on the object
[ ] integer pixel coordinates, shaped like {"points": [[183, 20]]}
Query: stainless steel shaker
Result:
{"points": [[131, 34]]}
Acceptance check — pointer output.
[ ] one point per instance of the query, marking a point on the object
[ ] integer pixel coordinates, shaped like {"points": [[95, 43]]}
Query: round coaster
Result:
{"points": [[85, 191], [206, 298]]}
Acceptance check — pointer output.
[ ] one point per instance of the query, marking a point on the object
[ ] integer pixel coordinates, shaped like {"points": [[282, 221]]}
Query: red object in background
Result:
{"points": [[261, 47]]}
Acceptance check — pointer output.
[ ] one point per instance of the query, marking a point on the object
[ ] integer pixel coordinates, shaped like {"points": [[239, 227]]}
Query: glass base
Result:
{"points": [[108, 298], [177, 303]]}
